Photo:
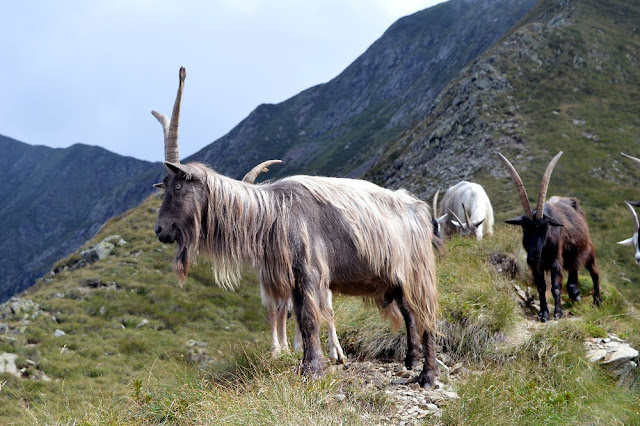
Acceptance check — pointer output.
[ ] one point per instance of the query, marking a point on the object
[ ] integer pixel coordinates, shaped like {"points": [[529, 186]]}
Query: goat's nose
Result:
{"points": [[158, 229]]}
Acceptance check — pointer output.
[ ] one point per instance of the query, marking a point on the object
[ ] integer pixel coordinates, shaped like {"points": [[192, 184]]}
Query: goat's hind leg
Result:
{"points": [[595, 277], [413, 338], [305, 305], [429, 373], [572, 286]]}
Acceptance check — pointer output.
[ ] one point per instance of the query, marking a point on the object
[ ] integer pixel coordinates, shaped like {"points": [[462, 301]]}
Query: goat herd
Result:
{"points": [[309, 236]]}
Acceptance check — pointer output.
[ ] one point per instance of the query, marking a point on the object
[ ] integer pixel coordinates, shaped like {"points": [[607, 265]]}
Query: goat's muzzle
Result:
{"points": [[166, 234]]}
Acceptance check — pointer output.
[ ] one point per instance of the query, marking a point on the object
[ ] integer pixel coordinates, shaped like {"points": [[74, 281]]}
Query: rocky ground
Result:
{"points": [[412, 403]]}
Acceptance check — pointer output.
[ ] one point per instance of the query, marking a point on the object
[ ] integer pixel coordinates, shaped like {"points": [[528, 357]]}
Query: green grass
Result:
{"points": [[107, 370]]}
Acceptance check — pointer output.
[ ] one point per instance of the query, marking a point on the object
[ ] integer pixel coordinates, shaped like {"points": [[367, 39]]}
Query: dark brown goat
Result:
{"points": [[556, 237], [307, 235]]}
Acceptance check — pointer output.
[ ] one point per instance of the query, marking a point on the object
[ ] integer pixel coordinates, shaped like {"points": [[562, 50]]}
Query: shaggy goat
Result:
{"points": [[306, 235], [633, 241], [278, 309], [556, 237], [470, 201]]}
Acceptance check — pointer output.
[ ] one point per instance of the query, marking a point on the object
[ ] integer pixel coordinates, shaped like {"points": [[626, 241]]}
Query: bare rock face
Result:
{"points": [[616, 356], [93, 254]]}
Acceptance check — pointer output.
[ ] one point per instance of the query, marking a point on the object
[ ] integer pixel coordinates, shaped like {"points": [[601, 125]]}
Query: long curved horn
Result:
{"points": [[635, 216], [435, 203], [519, 186], [544, 185], [455, 216], [262, 167], [170, 126], [466, 215], [631, 158]]}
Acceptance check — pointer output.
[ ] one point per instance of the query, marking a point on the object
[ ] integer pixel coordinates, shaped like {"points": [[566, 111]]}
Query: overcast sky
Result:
{"points": [[91, 71]]}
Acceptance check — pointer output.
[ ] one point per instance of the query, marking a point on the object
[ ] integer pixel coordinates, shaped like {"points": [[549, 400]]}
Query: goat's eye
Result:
{"points": [[178, 185]]}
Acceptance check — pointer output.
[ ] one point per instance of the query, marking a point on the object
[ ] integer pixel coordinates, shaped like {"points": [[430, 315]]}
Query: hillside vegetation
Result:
{"points": [[566, 78], [119, 341], [139, 348]]}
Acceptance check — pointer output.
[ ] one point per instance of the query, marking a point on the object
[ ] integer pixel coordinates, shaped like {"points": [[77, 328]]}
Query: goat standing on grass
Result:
{"points": [[307, 235], [556, 237], [278, 310], [470, 201]]}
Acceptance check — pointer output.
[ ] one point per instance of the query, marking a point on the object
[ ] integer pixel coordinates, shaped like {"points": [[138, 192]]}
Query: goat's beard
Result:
{"points": [[186, 254]]}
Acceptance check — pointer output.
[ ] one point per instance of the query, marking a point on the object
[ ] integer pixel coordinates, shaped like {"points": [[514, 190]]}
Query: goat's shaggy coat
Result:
{"points": [[477, 211], [305, 235]]}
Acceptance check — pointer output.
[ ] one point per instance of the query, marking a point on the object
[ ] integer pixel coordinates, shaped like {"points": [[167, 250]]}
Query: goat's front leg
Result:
{"points": [[273, 324], [556, 289], [335, 350], [541, 285], [272, 309], [305, 305], [283, 308]]}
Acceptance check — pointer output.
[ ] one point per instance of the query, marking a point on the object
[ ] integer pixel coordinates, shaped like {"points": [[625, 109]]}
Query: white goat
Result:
{"points": [[633, 241], [469, 201]]}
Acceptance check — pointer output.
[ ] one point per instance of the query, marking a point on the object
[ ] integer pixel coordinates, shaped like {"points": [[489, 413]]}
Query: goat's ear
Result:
{"points": [[158, 185], [178, 168], [456, 224], [627, 242], [478, 223], [442, 218], [515, 220]]}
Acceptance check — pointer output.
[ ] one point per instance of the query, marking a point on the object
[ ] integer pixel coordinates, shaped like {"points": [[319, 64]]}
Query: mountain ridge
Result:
{"points": [[335, 127], [54, 199]]}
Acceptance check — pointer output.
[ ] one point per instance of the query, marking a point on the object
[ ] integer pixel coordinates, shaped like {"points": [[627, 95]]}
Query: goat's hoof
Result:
{"points": [[558, 315], [337, 361], [427, 380], [574, 293], [543, 316], [313, 369], [410, 363]]}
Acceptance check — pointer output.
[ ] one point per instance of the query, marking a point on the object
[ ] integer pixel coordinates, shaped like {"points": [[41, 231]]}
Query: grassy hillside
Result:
{"points": [[138, 348], [566, 78]]}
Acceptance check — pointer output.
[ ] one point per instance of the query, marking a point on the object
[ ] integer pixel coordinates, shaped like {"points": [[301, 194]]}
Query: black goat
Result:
{"points": [[556, 237]]}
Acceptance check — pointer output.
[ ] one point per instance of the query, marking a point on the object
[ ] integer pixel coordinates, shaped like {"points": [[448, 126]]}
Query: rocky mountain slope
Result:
{"points": [[335, 128], [53, 200], [566, 78]]}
